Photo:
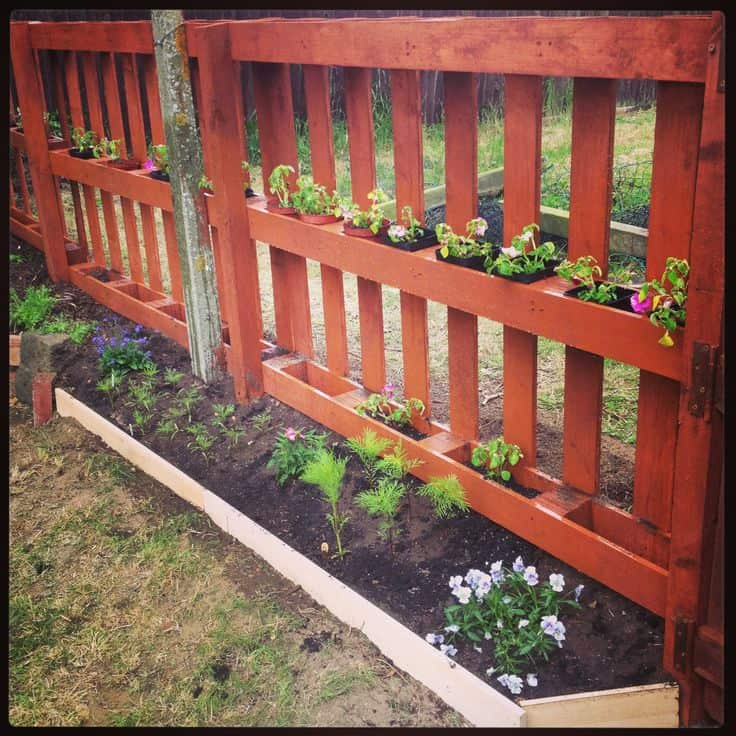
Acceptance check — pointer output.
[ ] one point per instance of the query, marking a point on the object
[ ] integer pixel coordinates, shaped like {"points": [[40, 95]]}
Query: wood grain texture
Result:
{"points": [[593, 121]]}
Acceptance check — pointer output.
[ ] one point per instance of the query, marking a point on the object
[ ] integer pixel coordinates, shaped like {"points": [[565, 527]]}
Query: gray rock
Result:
{"points": [[37, 353]]}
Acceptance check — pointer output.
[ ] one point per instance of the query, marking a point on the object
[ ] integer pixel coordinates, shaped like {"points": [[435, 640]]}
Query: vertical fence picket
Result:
{"points": [[674, 168], [317, 93], [521, 203], [461, 181], [277, 136], [361, 145], [406, 105], [593, 120]]}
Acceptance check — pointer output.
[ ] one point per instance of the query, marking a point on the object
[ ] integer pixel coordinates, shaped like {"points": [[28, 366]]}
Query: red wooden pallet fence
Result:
{"points": [[664, 554]]}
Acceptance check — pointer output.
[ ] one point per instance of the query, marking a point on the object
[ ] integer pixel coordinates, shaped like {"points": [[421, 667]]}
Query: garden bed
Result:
{"points": [[611, 642]]}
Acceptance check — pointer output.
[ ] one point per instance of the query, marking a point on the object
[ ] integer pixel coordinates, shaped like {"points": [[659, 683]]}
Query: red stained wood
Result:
{"points": [[30, 99], [594, 110], [522, 177], [126, 36], [653, 48], [373, 358], [42, 397]]}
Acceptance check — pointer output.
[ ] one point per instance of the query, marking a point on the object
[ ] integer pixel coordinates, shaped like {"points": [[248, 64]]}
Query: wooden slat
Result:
{"points": [[317, 93], [96, 123], [124, 36], [21, 169], [362, 148], [277, 136], [594, 110], [522, 177], [461, 183], [30, 96], [693, 502], [236, 246], [613, 47], [406, 104], [676, 139]]}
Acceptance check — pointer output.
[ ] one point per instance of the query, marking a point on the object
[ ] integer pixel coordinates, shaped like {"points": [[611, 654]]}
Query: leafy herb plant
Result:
{"points": [[379, 407], [406, 229], [119, 349], [158, 158], [77, 330], [446, 495], [372, 218], [384, 500], [84, 140], [369, 448], [33, 309], [311, 198], [279, 184], [523, 255], [293, 451], [326, 472], [463, 246], [496, 456], [583, 272]]}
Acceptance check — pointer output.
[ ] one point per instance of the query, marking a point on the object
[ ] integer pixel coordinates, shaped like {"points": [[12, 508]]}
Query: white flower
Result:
{"points": [[477, 649], [499, 624], [397, 231], [483, 589], [527, 236], [524, 622], [497, 574], [514, 684], [518, 565], [448, 650], [506, 599], [531, 680], [434, 638], [504, 680], [454, 628], [511, 252], [558, 632], [578, 591], [557, 582], [463, 594], [488, 635], [481, 227], [456, 581], [547, 624], [530, 575], [490, 671]]}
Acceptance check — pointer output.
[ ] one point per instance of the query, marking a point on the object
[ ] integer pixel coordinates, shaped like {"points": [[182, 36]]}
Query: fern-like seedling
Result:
{"points": [[368, 448], [293, 450], [384, 500], [398, 464], [326, 472], [446, 495]]}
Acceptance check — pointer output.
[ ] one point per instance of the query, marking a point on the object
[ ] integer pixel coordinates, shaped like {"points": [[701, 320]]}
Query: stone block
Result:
{"points": [[38, 354]]}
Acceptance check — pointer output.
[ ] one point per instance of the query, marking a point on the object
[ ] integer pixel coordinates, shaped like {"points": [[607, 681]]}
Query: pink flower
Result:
{"points": [[481, 228], [511, 252], [149, 165], [388, 389], [397, 231], [291, 434], [668, 302], [641, 307]]}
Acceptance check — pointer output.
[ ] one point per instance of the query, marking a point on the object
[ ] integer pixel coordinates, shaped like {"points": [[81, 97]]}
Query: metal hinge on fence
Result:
{"points": [[703, 379], [683, 640]]}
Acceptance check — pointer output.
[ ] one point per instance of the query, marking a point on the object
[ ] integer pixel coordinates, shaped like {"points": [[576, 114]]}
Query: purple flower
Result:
{"points": [[397, 231], [149, 165], [388, 389], [641, 307], [138, 328], [291, 434], [448, 650]]}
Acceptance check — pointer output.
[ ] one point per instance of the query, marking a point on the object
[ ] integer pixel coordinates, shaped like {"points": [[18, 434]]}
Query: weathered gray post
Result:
{"points": [[185, 158]]}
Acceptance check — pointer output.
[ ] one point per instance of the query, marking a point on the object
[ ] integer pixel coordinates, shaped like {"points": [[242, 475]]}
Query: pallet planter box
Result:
{"points": [[364, 232], [622, 301], [427, 239], [482, 705]]}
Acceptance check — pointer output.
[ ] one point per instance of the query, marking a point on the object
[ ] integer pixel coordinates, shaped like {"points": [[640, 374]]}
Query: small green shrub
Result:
{"points": [[446, 495], [293, 451], [384, 500], [495, 456], [368, 448], [78, 330], [33, 309]]}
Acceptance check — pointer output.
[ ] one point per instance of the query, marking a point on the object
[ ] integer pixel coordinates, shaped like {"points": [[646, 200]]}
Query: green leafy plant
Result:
{"points": [[222, 413], [665, 299], [261, 420], [496, 456], [583, 272], [77, 330], [84, 140], [523, 255], [142, 394], [201, 440], [107, 147], [188, 398], [172, 376], [406, 228], [379, 406], [446, 495], [311, 198], [119, 349], [33, 309], [326, 472], [509, 607], [293, 451], [15, 258], [53, 124], [158, 158], [384, 500], [141, 419], [279, 184], [397, 464], [233, 435], [110, 386], [206, 184], [463, 246], [372, 218], [169, 427], [369, 448]]}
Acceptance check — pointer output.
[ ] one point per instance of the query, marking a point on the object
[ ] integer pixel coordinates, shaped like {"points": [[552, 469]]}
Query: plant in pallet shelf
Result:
{"points": [[408, 233], [495, 457], [664, 300], [379, 407], [158, 162], [464, 250], [523, 260], [112, 149], [365, 223], [84, 143], [583, 272], [314, 204], [278, 183], [208, 187]]}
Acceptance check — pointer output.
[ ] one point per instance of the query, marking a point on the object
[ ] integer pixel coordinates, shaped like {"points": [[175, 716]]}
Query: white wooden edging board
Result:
{"points": [[647, 705]]}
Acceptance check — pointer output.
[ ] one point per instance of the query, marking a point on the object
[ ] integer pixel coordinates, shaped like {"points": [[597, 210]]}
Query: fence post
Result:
{"points": [[31, 103], [693, 496], [222, 143]]}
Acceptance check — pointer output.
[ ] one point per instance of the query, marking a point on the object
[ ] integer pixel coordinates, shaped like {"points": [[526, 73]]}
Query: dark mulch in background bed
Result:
{"points": [[611, 642]]}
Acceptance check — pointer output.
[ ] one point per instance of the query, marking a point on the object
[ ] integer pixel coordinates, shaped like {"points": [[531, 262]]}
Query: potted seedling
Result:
{"points": [[111, 149], [314, 204], [524, 260], [84, 143], [495, 457], [157, 164], [366, 223], [278, 184], [246, 168], [665, 300], [464, 250], [54, 134], [408, 233], [583, 273]]}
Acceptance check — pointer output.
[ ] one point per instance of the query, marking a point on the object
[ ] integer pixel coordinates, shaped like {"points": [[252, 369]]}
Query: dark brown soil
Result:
{"points": [[611, 642]]}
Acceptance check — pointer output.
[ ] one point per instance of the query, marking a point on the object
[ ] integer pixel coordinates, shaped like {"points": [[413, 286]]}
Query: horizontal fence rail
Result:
{"points": [[104, 76]]}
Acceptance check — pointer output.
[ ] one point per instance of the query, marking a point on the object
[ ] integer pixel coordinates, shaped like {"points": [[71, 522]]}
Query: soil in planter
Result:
{"points": [[512, 485], [86, 153], [611, 642], [159, 175]]}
